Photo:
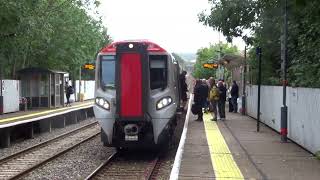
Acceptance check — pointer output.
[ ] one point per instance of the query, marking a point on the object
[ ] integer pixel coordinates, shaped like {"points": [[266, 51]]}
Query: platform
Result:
{"points": [[36, 113], [232, 149], [25, 124]]}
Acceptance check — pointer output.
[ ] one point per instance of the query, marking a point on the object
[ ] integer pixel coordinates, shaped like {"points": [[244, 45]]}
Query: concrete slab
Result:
{"points": [[261, 155], [196, 163]]}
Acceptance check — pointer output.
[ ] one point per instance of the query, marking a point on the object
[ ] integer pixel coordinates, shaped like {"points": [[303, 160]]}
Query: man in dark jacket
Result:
{"points": [[234, 96], [200, 97], [222, 100]]}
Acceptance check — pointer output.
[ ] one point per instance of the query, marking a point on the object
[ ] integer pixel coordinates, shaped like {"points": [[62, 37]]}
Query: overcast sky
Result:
{"points": [[172, 24]]}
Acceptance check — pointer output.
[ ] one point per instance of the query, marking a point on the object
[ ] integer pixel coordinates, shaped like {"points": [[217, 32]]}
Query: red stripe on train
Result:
{"points": [[131, 85]]}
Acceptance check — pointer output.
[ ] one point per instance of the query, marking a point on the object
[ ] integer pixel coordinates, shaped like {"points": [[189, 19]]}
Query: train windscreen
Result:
{"points": [[158, 71], [107, 72]]}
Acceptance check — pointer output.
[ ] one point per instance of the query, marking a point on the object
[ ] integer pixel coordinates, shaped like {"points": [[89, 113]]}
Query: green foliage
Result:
{"points": [[211, 54], [55, 34], [264, 20]]}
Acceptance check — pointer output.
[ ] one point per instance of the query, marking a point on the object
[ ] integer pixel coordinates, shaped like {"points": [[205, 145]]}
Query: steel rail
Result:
{"points": [[7, 158], [34, 165], [148, 173], [102, 165]]}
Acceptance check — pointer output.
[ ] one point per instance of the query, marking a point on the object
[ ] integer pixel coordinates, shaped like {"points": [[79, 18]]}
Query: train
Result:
{"points": [[137, 94]]}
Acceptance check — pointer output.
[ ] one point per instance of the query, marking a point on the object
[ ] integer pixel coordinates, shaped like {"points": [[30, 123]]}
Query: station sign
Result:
{"points": [[89, 66], [210, 65]]}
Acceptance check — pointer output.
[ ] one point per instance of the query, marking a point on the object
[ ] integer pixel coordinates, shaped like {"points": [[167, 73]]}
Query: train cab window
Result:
{"points": [[107, 72], [158, 71]]}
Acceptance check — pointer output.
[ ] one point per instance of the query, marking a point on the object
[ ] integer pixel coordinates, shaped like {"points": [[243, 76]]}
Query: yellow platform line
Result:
{"points": [[224, 166], [44, 112]]}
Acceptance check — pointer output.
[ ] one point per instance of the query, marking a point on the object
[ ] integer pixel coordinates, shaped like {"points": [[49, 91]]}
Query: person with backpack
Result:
{"points": [[69, 91], [213, 98]]}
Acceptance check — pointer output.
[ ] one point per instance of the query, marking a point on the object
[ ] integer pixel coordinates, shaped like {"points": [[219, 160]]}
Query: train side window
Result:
{"points": [[107, 72], [158, 71]]}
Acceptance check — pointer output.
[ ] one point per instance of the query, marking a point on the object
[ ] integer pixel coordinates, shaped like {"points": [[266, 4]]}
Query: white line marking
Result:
{"points": [[177, 160], [43, 117]]}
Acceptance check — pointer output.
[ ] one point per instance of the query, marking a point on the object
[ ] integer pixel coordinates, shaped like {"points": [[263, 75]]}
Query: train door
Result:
{"points": [[132, 86]]}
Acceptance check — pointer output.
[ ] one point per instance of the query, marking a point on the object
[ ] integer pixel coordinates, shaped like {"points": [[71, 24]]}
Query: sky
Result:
{"points": [[172, 24]]}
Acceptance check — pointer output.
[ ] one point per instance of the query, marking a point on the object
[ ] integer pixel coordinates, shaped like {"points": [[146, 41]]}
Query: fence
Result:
{"points": [[303, 112]]}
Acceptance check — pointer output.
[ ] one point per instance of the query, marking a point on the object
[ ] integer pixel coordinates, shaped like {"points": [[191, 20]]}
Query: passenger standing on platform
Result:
{"points": [[214, 98], [229, 99], [234, 96], [69, 91], [222, 100], [205, 94], [183, 87], [199, 99]]}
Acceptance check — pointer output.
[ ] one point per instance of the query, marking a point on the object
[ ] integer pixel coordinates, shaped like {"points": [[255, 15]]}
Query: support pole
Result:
{"points": [[244, 82], [1, 85], [79, 83], [284, 108], [259, 52]]}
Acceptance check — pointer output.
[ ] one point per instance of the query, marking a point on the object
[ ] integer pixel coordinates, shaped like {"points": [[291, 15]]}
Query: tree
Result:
{"points": [[211, 54], [51, 34], [264, 20]]}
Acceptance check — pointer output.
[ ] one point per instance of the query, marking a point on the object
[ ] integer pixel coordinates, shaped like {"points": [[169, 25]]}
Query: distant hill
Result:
{"points": [[187, 56]]}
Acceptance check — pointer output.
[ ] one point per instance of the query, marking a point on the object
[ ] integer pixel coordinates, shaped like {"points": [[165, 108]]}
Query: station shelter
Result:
{"points": [[42, 87], [235, 64]]}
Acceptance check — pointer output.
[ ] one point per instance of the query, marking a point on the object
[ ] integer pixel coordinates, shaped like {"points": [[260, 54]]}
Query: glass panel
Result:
{"points": [[107, 72], [158, 71], [44, 85]]}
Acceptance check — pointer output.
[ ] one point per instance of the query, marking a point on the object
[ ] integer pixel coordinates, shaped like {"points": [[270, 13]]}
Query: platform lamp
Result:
{"points": [[245, 38], [1, 86], [284, 57]]}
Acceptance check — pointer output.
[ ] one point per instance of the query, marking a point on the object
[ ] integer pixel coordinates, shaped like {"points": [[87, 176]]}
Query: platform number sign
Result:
{"points": [[89, 66], [210, 65]]}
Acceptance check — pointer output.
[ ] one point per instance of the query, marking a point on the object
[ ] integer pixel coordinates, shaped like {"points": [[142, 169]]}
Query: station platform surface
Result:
{"points": [[232, 149], [35, 113]]}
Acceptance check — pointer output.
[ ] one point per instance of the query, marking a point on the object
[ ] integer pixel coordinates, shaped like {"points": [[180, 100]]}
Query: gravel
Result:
{"points": [[75, 164], [17, 146]]}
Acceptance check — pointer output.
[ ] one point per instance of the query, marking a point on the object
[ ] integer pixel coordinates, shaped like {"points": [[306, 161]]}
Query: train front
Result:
{"points": [[136, 94]]}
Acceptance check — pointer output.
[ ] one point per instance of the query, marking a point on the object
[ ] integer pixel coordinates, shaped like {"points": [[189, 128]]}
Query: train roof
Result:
{"points": [[152, 47]]}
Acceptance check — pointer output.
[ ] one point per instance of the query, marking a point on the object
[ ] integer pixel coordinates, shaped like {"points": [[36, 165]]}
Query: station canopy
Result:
{"points": [[231, 61]]}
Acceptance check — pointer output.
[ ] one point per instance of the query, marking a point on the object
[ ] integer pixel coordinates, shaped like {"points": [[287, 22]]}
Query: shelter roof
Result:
{"points": [[39, 70], [231, 61]]}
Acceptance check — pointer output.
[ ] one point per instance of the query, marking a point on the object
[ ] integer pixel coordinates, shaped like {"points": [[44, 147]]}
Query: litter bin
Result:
{"points": [[81, 97], [23, 105]]}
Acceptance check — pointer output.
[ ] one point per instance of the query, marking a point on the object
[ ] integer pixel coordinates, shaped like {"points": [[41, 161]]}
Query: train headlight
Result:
{"points": [[164, 102], [103, 103]]}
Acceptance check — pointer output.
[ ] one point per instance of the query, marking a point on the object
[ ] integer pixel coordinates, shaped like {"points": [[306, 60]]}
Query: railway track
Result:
{"points": [[22, 162], [128, 166]]}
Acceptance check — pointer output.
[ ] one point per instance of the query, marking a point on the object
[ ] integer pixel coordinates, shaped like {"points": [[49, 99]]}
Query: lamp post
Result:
{"points": [[259, 52], [1, 85], [284, 108], [244, 82]]}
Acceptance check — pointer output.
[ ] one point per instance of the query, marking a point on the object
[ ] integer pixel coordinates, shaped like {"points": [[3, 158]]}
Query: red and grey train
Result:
{"points": [[136, 94]]}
